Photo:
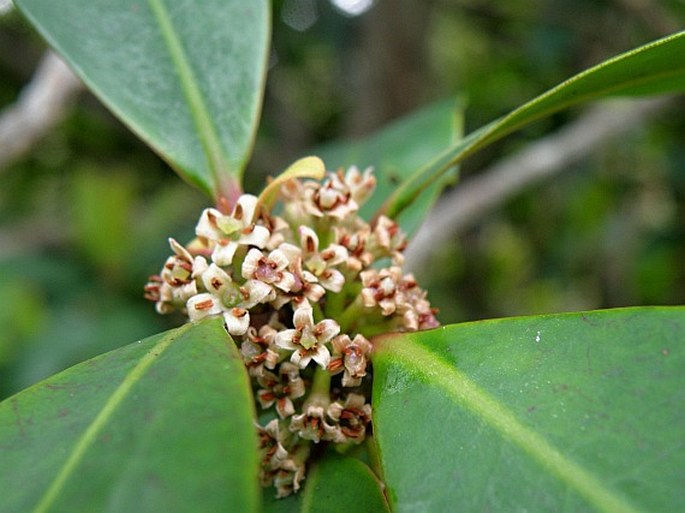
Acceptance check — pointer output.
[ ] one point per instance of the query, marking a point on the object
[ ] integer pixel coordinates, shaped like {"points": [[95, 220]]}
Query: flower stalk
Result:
{"points": [[350, 317]]}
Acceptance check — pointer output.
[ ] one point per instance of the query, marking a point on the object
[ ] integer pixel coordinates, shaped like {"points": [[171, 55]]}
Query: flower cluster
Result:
{"points": [[302, 293]]}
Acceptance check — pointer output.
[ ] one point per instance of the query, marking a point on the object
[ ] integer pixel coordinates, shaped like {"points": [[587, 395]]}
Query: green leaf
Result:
{"points": [[307, 167], [164, 424], [570, 412], [398, 150], [658, 67], [334, 484], [186, 77]]}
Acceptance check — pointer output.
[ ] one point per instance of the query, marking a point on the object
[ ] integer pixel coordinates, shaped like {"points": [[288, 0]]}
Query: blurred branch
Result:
{"points": [[41, 104], [471, 200], [32, 234], [654, 15]]}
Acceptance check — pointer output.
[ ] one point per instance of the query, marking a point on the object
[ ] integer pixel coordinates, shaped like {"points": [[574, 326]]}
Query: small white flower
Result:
{"points": [[269, 269], [272, 451], [351, 418], [288, 478], [321, 263], [311, 288], [381, 288], [350, 357], [312, 425], [387, 239], [307, 340], [258, 349], [173, 287], [225, 297], [355, 240], [329, 200], [225, 233], [361, 186], [281, 389]]}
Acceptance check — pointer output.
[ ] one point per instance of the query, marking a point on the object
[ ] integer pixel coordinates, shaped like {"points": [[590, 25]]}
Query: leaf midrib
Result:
{"points": [[207, 134], [101, 419], [464, 391]]}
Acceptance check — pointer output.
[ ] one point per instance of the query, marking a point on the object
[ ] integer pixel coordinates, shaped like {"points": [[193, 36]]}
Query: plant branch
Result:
{"points": [[653, 14], [41, 104], [33, 234], [469, 201]]}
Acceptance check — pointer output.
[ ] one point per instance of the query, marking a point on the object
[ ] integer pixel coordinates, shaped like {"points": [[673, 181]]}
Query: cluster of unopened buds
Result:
{"points": [[302, 293]]}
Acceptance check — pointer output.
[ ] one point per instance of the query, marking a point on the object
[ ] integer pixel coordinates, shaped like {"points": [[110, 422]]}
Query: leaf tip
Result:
{"points": [[306, 167]]}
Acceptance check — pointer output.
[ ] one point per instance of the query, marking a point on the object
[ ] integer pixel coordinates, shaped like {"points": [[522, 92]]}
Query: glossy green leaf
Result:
{"points": [[335, 484], [186, 77], [397, 151], [164, 424], [658, 67], [569, 412]]}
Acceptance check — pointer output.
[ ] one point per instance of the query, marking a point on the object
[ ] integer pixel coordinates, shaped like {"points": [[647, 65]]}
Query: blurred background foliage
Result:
{"points": [[85, 215]]}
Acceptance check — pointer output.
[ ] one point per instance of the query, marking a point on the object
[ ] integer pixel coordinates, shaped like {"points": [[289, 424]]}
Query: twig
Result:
{"points": [[470, 200], [655, 15], [32, 234], [41, 104]]}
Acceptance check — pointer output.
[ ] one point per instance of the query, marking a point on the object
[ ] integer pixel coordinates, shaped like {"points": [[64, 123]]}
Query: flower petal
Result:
{"points": [[286, 282], [332, 279], [180, 250], [257, 236], [280, 258], [207, 225], [215, 279], [309, 241], [322, 356], [200, 265], [326, 330], [257, 292], [334, 254], [300, 359], [251, 263], [303, 315], [223, 252], [284, 339], [237, 321], [201, 306], [245, 209]]}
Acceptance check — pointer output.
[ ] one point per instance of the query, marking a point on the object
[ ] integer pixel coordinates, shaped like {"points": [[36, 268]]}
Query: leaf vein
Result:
{"points": [[443, 375], [189, 84], [108, 409]]}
